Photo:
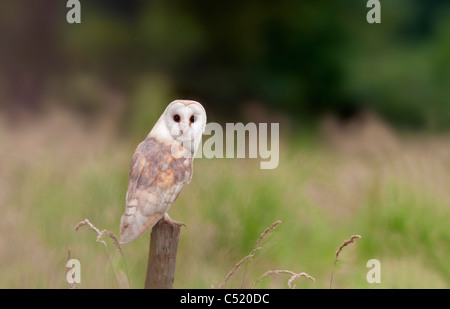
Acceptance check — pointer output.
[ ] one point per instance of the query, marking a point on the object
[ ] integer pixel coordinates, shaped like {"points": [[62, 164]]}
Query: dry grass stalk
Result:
{"points": [[344, 244], [114, 240], [266, 231], [72, 285], [100, 234], [117, 245], [250, 255], [92, 227], [294, 276], [100, 239], [237, 266]]}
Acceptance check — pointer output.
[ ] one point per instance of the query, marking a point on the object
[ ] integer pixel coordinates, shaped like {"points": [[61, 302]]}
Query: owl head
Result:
{"points": [[182, 122]]}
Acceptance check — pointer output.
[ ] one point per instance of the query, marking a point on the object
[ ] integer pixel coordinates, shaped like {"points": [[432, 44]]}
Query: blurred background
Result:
{"points": [[364, 115]]}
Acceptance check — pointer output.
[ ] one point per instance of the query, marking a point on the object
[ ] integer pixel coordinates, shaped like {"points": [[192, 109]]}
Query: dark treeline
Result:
{"points": [[303, 58]]}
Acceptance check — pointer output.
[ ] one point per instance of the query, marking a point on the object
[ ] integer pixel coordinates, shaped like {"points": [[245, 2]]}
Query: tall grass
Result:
{"points": [[248, 257], [390, 188]]}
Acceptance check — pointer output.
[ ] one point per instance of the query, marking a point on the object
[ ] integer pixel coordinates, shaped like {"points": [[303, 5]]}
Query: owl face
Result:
{"points": [[183, 121]]}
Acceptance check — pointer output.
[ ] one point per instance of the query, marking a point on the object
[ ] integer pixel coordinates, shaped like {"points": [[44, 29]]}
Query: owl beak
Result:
{"points": [[183, 128]]}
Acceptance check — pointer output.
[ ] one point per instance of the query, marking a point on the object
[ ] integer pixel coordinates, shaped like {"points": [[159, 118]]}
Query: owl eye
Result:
{"points": [[192, 119], [176, 118]]}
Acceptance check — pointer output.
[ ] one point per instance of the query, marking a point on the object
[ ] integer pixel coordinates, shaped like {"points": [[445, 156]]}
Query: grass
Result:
{"points": [[248, 257], [336, 259], [290, 283], [392, 189]]}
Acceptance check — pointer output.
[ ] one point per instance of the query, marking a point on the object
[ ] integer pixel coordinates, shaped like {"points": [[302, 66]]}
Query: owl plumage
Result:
{"points": [[160, 167]]}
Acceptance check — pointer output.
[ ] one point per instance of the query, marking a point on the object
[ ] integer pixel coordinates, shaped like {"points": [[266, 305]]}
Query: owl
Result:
{"points": [[160, 167]]}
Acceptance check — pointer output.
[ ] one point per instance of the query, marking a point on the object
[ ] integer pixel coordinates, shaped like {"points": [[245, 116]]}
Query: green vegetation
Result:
{"points": [[395, 198], [75, 101]]}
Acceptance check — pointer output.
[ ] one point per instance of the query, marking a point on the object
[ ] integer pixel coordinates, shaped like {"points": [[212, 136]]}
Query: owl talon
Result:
{"points": [[173, 222]]}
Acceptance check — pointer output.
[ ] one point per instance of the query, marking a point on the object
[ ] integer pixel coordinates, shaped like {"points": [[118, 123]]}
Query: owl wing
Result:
{"points": [[156, 179]]}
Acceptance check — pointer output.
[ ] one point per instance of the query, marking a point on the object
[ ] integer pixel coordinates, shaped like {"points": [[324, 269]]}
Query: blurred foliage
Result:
{"points": [[394, 195], [299, 57], [128, 59]]}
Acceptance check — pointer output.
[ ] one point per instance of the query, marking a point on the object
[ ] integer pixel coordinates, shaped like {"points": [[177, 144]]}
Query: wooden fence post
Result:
{"points": [[162, 256]]}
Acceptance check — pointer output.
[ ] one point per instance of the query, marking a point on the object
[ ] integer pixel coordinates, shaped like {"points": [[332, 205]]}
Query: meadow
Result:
{"points": [[391, 188]]}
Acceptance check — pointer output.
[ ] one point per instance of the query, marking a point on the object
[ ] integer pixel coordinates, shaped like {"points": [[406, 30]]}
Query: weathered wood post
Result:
{"points": [[162, 255]]}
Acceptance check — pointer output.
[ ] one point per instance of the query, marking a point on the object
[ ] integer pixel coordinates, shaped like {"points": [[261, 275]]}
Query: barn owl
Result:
{"points": [[160, 167]]}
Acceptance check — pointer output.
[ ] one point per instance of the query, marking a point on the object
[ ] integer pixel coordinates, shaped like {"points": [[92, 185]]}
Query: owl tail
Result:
{"points": [[133, 226]]}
